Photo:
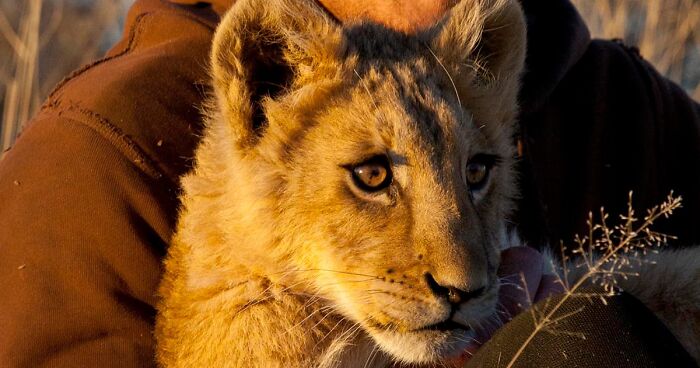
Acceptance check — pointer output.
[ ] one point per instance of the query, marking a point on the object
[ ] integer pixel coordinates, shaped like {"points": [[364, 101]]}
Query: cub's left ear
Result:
{"points": [[482, 43]]}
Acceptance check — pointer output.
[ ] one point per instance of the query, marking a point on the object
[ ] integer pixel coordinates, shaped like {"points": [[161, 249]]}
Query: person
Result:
{"points": [[89, 192]]}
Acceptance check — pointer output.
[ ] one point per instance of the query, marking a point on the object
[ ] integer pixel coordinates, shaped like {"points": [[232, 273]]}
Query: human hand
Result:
{"points": [[402, 15], [518, 265]]}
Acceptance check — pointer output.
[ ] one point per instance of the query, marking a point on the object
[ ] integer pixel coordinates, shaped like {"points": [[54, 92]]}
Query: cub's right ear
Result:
{"points": [[260, 49], [484, 43]]}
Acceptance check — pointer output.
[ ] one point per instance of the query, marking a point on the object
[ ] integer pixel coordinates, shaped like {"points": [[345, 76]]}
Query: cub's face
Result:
{"points": [[396, 200], [392, 171]]}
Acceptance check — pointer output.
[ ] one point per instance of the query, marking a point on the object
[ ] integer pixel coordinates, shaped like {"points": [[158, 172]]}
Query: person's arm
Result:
{"points": [[88, 197], [406, 16], [83, 229]]}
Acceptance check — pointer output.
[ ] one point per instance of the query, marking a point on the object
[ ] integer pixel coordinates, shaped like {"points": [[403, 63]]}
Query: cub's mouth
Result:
{"points": [[429, 344], [446, 325], [442, 339]]}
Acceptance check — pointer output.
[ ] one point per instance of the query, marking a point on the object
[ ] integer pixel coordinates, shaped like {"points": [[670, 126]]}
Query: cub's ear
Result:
{"points": [[483, 42], [261, 49]]}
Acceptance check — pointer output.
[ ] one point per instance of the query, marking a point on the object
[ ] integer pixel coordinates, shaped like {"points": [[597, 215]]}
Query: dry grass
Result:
{"points": [[43, 40], [20, 85]]}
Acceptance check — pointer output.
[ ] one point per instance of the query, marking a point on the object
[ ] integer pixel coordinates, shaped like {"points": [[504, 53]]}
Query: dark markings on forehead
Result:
{"points": [[421, 95], [370, 41], [406, 61]]}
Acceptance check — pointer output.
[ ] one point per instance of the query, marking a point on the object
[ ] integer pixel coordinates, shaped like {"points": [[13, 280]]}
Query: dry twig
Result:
{"points": [[604, 256]]}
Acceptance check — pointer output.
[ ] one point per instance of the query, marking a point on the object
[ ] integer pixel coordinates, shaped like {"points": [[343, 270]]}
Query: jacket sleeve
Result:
{"points": [[88, 197], [82, 233]]}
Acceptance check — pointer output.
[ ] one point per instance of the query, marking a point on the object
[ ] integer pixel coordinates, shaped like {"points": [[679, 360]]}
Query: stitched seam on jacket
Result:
{"points": [[54, 97], [93, 119], [80, 115], [98, 123], [136, 31]]}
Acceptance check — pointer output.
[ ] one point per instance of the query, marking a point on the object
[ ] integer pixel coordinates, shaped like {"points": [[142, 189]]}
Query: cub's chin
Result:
{"points": [[437, 342], [428, 345]]}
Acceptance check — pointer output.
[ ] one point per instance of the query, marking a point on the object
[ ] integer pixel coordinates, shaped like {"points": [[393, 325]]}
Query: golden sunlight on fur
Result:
{"points": [[350, 194], [669, 285]]}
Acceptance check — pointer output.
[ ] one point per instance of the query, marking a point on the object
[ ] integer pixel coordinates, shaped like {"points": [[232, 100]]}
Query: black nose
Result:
{"points": [[453, 295]]}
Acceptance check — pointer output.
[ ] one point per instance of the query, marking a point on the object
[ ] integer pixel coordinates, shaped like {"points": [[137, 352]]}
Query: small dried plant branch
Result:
{"points": [[605, 255], [36, 31]]}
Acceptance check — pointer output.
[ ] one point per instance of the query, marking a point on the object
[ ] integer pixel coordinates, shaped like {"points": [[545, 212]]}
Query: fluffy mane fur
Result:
{"points": [[280, 258], [669, 284]]}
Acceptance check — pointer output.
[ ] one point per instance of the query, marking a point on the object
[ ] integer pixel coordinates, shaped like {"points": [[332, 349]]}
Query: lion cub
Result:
{"points": [[350, 193]]}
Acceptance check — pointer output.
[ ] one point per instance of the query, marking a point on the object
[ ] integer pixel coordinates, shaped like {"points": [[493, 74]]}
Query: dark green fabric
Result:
{"points": [[621, 334]]}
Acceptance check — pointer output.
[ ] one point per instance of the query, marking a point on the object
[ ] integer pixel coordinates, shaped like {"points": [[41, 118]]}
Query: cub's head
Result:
{"points": [[371, 168]]}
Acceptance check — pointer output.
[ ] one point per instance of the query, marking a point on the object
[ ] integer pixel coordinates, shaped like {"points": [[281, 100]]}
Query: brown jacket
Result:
{"points": [[88, 195]]}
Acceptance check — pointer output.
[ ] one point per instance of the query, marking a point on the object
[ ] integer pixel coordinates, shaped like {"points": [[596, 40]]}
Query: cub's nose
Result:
{"points": [[454, 296]]}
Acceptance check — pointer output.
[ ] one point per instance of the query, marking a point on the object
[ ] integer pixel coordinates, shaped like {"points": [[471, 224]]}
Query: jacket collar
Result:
{"points": [[557, 38]]}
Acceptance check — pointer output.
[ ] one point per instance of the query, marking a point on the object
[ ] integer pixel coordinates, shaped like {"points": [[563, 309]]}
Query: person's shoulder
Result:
{"points": [[146, 92]]}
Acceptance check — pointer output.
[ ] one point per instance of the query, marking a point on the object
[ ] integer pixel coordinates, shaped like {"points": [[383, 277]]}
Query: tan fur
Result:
{"points": [[277, 261], [669, 285]]}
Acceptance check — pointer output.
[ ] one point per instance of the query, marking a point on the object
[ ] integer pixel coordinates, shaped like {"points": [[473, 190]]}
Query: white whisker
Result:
{"points": [[454, 86]]}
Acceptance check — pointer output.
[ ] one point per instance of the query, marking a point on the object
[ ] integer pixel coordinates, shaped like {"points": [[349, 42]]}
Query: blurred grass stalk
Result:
{"points": [[21, 86]]}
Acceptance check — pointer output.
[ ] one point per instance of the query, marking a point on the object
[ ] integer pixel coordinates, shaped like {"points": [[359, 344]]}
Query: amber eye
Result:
{"points": [[478, 170], [372, 175], [476, 173]]}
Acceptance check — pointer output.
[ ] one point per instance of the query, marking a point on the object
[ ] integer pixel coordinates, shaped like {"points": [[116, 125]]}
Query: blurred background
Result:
{"points": [[41, 41]]}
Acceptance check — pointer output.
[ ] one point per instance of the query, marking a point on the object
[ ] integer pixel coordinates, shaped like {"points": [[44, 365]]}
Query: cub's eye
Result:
{"points": [[372, 175], [476, 174], [478, 170]]}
